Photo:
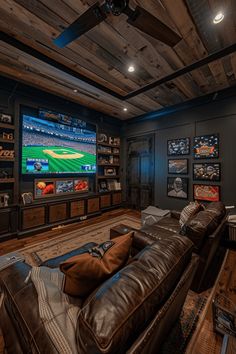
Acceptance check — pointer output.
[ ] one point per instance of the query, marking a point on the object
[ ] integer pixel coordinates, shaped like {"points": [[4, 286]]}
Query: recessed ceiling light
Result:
{"points": [[131, 69], [75, 90], [218, 18], [125, 109]]}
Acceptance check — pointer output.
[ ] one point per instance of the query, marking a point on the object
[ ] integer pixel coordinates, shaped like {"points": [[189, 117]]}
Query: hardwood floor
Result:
{"points": [[205, 341], [15, 244]]}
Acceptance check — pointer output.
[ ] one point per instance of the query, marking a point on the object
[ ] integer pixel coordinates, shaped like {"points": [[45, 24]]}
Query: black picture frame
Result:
{"points": [[206, 146], [223, 309], [174, 169], [206, 188], [213, 174], [178, 147], [174, 189]]}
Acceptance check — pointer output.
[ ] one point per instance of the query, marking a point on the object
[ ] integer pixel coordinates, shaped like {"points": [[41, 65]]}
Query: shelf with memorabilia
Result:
{"points": [[108, 161], [7, 161]]}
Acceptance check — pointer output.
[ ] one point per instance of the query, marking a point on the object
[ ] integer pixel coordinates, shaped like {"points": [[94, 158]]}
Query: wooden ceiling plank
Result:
{"points": [[219, 73], [179, 14], [26, 33], [37, 81], [35, 66], [14, 9], [159, 66], [225, 30], [233, 63], [45, 69], [186, 27], [106, 43]]}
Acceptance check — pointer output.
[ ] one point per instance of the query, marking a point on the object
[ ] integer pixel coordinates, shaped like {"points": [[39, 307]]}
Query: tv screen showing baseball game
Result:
{"points": [[55, 143]]}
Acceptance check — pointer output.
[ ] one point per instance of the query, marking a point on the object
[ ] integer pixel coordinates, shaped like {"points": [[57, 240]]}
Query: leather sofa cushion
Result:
{"points": [[169, 224], [200, 226], [217, 209], [84, 272], [127, 302]]}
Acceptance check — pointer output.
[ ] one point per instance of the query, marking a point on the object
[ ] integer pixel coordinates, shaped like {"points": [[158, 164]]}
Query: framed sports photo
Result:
{"points": [[178, 166], [64, 186], [206, 192], [177, 187], [206, 146], [178, 147], [44, 188], [206, 172], [81, 185]]}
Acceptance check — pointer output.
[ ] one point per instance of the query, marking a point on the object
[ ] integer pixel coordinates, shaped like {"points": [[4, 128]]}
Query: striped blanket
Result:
{"points": [[58, 311]]}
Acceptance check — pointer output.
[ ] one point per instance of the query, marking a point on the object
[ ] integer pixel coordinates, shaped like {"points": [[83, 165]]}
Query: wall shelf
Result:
{"points": [[108, 153], [11, 160], [7, 141], [7, 126], [7, 180]]}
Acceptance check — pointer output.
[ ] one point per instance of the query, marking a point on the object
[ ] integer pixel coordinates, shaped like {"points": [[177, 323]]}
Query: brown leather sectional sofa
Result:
{"points": [[204, 229], [132, 312]]}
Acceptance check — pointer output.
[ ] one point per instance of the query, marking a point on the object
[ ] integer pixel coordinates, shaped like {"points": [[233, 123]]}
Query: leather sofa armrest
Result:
{"points": [[141, 240], [175, 214]]}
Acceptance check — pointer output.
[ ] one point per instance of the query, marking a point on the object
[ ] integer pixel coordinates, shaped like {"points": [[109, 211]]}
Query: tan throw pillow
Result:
{"points": [[191, 209], [84, 272]]}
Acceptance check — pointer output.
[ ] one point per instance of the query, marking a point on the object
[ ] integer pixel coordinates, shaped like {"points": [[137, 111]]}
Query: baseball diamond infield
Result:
{"points": [[60, 159]]}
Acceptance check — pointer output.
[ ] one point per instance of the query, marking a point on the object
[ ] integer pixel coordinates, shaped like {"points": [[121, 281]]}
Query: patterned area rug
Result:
{"points": [[183, 330], [68, 241]]}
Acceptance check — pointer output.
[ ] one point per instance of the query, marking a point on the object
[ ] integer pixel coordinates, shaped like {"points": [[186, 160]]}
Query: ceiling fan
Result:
{"points": [[138, 18]]}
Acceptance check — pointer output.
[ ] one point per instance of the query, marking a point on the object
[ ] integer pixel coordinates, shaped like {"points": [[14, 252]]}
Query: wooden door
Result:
{"points": [[140, 171]]}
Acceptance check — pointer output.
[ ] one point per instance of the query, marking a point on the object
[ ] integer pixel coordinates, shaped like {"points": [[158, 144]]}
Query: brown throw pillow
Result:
{"points": [[191, 209], [84, 272]]}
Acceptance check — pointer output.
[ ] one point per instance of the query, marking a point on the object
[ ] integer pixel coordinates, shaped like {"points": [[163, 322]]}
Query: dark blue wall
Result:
{"points": [[214, 116]]}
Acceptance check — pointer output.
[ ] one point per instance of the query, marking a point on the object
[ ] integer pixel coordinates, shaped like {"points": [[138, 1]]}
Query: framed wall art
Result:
{"points": [[44, 188], [206, 146], [64, 186], [208, 193], [177, 187], [81, 185], [178, 147], [178, 166], [206, 172]]}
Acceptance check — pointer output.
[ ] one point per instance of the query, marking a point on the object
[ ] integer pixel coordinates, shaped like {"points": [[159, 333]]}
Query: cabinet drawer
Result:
{"points": [[5, 222], [116, 198], [93, 205], [105, 201], [77, 208], [57, 212], [33, 217]]}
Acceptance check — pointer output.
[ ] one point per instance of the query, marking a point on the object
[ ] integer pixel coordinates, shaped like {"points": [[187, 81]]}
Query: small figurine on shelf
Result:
{"points": [[103, 186], [4, 200], [7, 136], [5, 118]]}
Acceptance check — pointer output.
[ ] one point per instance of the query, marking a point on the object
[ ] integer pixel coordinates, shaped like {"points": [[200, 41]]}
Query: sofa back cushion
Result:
{"points": [[199, 226], [84, 272], [217, 209], [191, 209], [123, 306]]}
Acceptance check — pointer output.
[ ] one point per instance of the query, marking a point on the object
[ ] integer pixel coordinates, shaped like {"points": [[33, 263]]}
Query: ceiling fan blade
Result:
{"points": [[89, 19], [149, 24]]}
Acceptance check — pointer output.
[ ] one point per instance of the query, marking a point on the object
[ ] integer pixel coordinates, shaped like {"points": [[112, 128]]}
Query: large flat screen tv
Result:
{"points": [[57, 144]]}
